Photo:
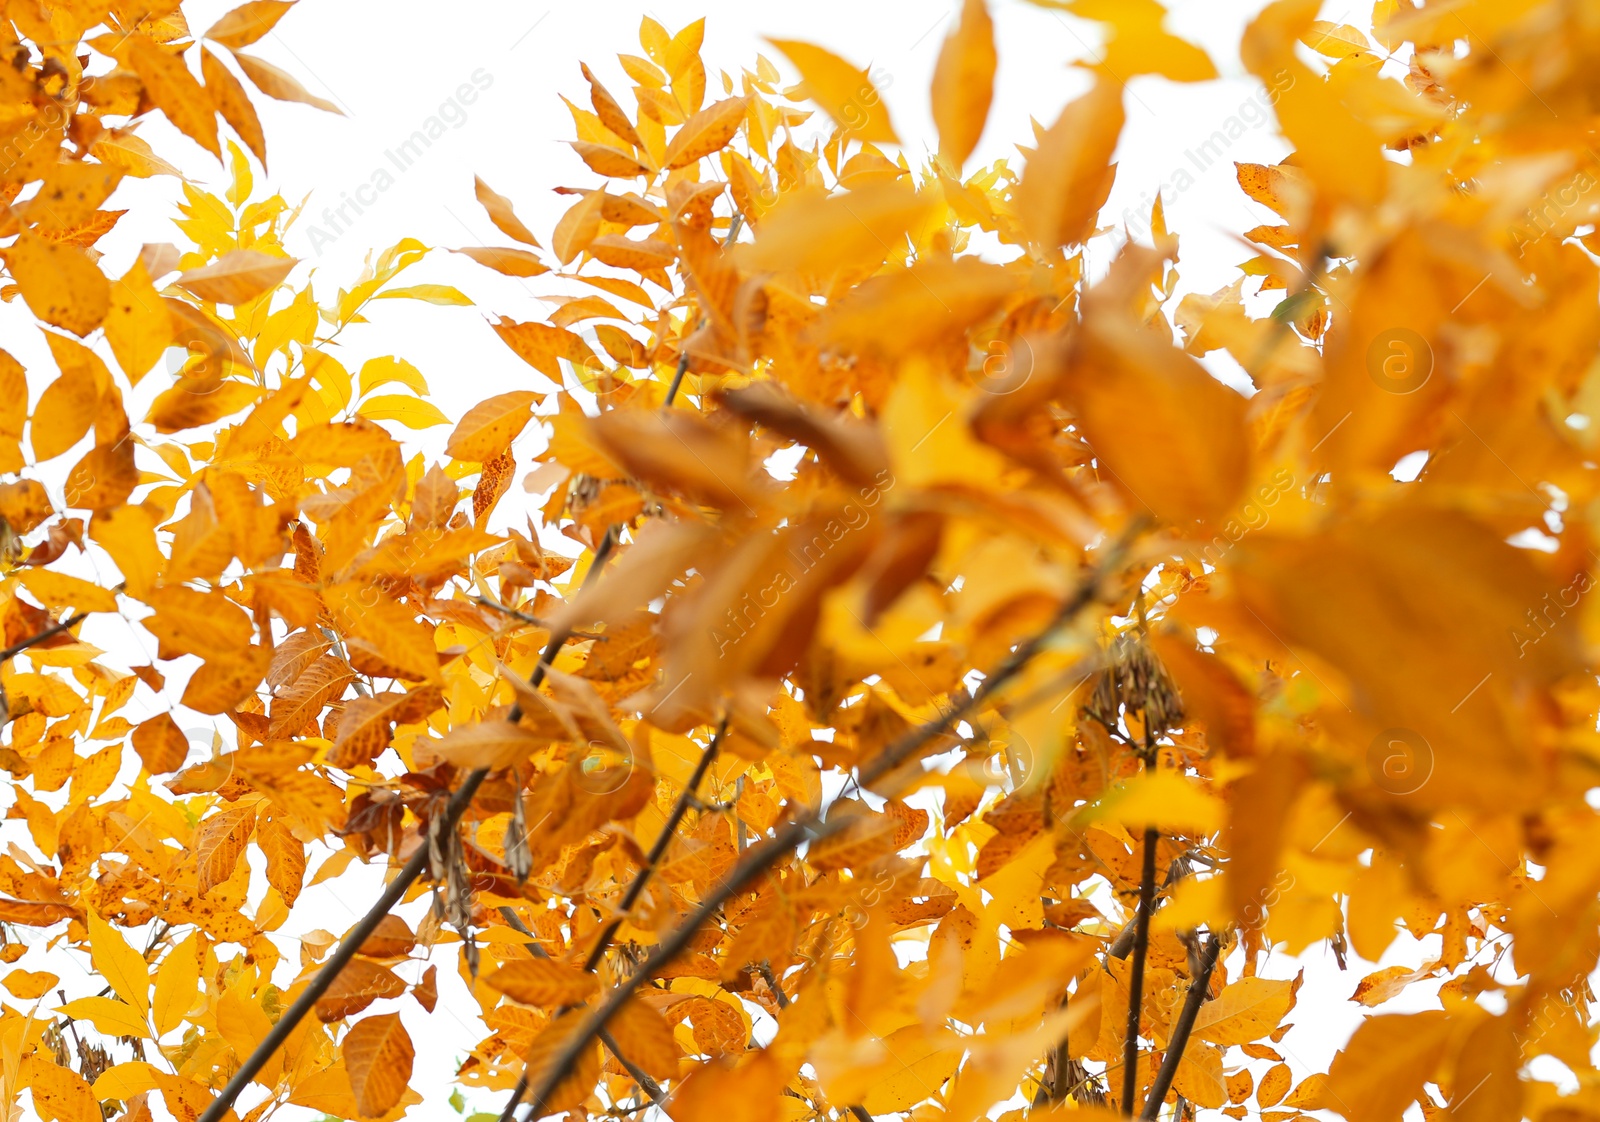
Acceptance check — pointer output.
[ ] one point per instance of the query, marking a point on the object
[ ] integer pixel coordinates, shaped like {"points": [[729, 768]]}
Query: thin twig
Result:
{"points": [[809, 824], [773, 984], [392, 894], [34, 640], [495, 605], [1198, 987], [683, 354], [636, 889], [657, 851], [646, 1084]]}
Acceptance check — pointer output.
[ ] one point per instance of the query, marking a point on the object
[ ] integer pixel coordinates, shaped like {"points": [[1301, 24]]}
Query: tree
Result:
{"points": [[959, 690]]}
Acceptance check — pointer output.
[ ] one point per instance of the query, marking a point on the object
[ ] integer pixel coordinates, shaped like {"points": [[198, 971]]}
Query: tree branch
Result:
{"points": [[658, 850], [809, 826], [392, 894], [1198, 987], [1141, 946], [635, 889], [646, 1084], [49, 632]]}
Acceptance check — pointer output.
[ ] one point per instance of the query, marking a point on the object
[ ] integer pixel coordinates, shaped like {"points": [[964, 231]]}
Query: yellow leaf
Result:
{"points": [[489, 744], [124, 1081], [963, 84], [177, 985], [429, 293], [244, 1025], [402, 641], [1166, 432], [219, 843], [237, 277], [1274, 1085], [119, 964], [59, 1094], [68, 405], [69, 197], [58, 590], [1069, 175], [845, 93], [541, 981], [109, 1016], [59, 282], [645, 1038], [1380, 1073], [1199, 1075], [1163, 799], [29, 984], [384, 371], [610, 162], [918, 1061], [542, 346], [578, 227], [609, 111], [137, 324], [132, 154], [1335, 40], [1245, 1010], [1139, 44], [813, 231], [412, 412]]}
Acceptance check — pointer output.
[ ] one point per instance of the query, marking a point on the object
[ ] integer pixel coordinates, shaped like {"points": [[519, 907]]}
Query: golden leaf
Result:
{"points": [[377, 1055]]}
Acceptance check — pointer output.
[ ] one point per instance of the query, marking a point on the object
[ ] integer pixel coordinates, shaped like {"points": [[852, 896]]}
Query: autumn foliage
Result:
{"points": [[906, 681]]}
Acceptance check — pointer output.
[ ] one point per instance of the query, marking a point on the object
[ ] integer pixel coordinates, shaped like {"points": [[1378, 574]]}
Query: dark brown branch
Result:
{"points": [[810, 826], [1198, 987], [48, 633], [1141, 947], [392, 894], [635, 889], [646, 1084], [658, 850]]}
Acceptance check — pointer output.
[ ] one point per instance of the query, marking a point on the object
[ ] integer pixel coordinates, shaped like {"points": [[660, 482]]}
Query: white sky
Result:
{"points": [[393, 65]]}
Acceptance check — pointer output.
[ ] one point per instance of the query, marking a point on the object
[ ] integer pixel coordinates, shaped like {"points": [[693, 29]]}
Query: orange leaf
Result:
{"points": [[248, 22], [237, 277], [276, 83], [963, 84], [706, 132], [489, 427], [844, 92], [219, 842], [377, 1056], [539, 981], [59, 282], [1069, 175], [175, 91], [501, 214]]}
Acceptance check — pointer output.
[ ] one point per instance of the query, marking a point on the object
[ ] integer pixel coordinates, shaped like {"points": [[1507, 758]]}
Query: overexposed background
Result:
{"points": [[392, 66]]}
